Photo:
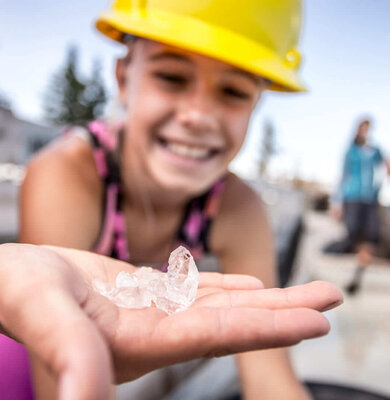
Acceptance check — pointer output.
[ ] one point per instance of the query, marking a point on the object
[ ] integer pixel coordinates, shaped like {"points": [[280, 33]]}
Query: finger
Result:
{"points": [[317, 295], [217, 332], [229, 281], [38, 309], [68, 343]]}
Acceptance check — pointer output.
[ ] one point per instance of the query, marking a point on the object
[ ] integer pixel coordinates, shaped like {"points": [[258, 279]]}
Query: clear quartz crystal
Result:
{"points": [[172, 291]]}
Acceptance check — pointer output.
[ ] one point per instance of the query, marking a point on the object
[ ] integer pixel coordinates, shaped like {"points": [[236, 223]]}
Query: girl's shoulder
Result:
{"points": [[241, 237], [239, 196], [68, 158], [241, 210], [61, 189]]}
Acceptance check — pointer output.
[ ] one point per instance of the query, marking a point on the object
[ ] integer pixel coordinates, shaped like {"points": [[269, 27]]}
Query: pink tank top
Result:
{"points": [[15, 379]]}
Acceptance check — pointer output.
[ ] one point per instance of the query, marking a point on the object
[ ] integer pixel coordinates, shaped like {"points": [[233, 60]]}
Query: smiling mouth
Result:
{"points": [[188, 151]]}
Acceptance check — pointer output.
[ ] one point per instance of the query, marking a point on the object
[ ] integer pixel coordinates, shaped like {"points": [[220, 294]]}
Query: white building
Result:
{"points": [[20, 139]]}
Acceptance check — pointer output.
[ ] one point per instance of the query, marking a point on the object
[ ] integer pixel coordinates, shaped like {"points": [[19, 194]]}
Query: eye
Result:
{"points": [[171, 78], [235, 93]]}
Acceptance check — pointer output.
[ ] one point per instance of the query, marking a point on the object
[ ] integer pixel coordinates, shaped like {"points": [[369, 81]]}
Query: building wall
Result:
{"points": [[18, 141], [10, 138]]}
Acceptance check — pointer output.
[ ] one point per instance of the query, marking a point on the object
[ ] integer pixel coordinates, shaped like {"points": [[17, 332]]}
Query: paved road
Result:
{"points": [[357, 350]]}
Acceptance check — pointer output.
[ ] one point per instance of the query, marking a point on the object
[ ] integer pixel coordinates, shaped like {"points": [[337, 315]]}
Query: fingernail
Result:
{"points": [[332, 305]]}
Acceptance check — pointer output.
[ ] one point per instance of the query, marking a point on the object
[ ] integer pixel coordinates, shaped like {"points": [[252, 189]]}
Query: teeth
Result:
{"points": [[188, 151]]}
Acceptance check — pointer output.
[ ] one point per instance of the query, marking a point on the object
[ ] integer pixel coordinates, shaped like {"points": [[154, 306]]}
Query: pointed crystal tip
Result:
{"points": [[172, 291]]}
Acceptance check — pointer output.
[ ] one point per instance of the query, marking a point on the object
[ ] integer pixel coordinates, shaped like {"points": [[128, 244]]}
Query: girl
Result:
{"points": [[192, 77]]}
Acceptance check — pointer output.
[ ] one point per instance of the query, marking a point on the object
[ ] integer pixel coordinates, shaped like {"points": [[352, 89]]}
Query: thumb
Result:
{"points": [[55, 329], [45, 315]]}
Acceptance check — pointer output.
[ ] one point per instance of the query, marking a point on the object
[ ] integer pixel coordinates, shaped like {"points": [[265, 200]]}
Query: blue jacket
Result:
{"points": [[362, 176]]}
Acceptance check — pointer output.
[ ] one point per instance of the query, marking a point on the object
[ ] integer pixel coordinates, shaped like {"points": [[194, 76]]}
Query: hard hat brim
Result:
{"points": [[202, 38]]}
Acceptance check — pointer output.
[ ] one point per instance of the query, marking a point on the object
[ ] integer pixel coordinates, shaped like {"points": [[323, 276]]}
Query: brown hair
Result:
{"points": [[358, 140]]}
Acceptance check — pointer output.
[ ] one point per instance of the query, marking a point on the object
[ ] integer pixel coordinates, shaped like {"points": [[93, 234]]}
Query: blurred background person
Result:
{"points": [[356, 201]]}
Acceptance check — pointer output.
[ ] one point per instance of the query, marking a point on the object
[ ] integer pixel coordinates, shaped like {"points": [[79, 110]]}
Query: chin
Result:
{"points": [[185, 185]]}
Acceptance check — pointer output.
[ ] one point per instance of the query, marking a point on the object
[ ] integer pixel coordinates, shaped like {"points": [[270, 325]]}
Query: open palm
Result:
{"points": [[48, 303]]}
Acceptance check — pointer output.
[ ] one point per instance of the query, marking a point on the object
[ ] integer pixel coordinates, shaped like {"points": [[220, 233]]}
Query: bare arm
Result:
{"points": [[246, 236]]}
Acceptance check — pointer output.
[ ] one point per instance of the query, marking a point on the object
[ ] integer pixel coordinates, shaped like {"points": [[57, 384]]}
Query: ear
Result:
{"points": [[121, 78]]}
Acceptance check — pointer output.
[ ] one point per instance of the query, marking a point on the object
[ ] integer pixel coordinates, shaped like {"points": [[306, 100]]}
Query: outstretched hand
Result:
{"points": [[47, 302]]}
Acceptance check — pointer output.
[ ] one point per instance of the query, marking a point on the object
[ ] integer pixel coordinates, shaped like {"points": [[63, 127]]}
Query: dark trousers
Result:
{"points": [[362, 222]]}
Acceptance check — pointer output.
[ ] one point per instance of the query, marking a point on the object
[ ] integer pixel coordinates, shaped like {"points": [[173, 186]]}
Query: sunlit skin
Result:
{"points": [[175, 97]]}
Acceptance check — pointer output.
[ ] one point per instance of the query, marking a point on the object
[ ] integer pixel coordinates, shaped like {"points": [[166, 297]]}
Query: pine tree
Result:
{"points": [[95, 94], [71, 99]]}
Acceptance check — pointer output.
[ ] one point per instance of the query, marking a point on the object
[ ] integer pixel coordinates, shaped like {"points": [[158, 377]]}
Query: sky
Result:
{"points": [[346, 57]]}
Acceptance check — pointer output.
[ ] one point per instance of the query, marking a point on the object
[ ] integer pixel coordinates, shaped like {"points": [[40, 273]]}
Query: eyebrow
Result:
{"points": [[168, 55], [254, 78]]}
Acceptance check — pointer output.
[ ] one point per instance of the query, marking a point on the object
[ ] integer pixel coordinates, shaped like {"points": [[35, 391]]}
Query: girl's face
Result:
{"points": [[187, 115]]}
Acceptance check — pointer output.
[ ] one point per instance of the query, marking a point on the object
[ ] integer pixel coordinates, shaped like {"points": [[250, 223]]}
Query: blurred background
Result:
{"points": [[51, 55]]}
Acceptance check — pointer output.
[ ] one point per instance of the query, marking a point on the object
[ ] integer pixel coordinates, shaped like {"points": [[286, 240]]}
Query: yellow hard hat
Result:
{"points": [[258, 36]]}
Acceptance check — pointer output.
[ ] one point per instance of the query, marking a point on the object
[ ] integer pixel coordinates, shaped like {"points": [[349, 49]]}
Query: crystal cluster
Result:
{"points": [[172, 291]]}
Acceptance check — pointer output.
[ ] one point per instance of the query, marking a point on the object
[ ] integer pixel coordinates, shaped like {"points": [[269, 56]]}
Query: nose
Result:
{"points": [[198, 112]]}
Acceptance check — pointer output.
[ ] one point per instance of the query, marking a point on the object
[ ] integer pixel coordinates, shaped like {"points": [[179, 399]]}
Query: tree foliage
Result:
{"points": [[72, 99]]}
